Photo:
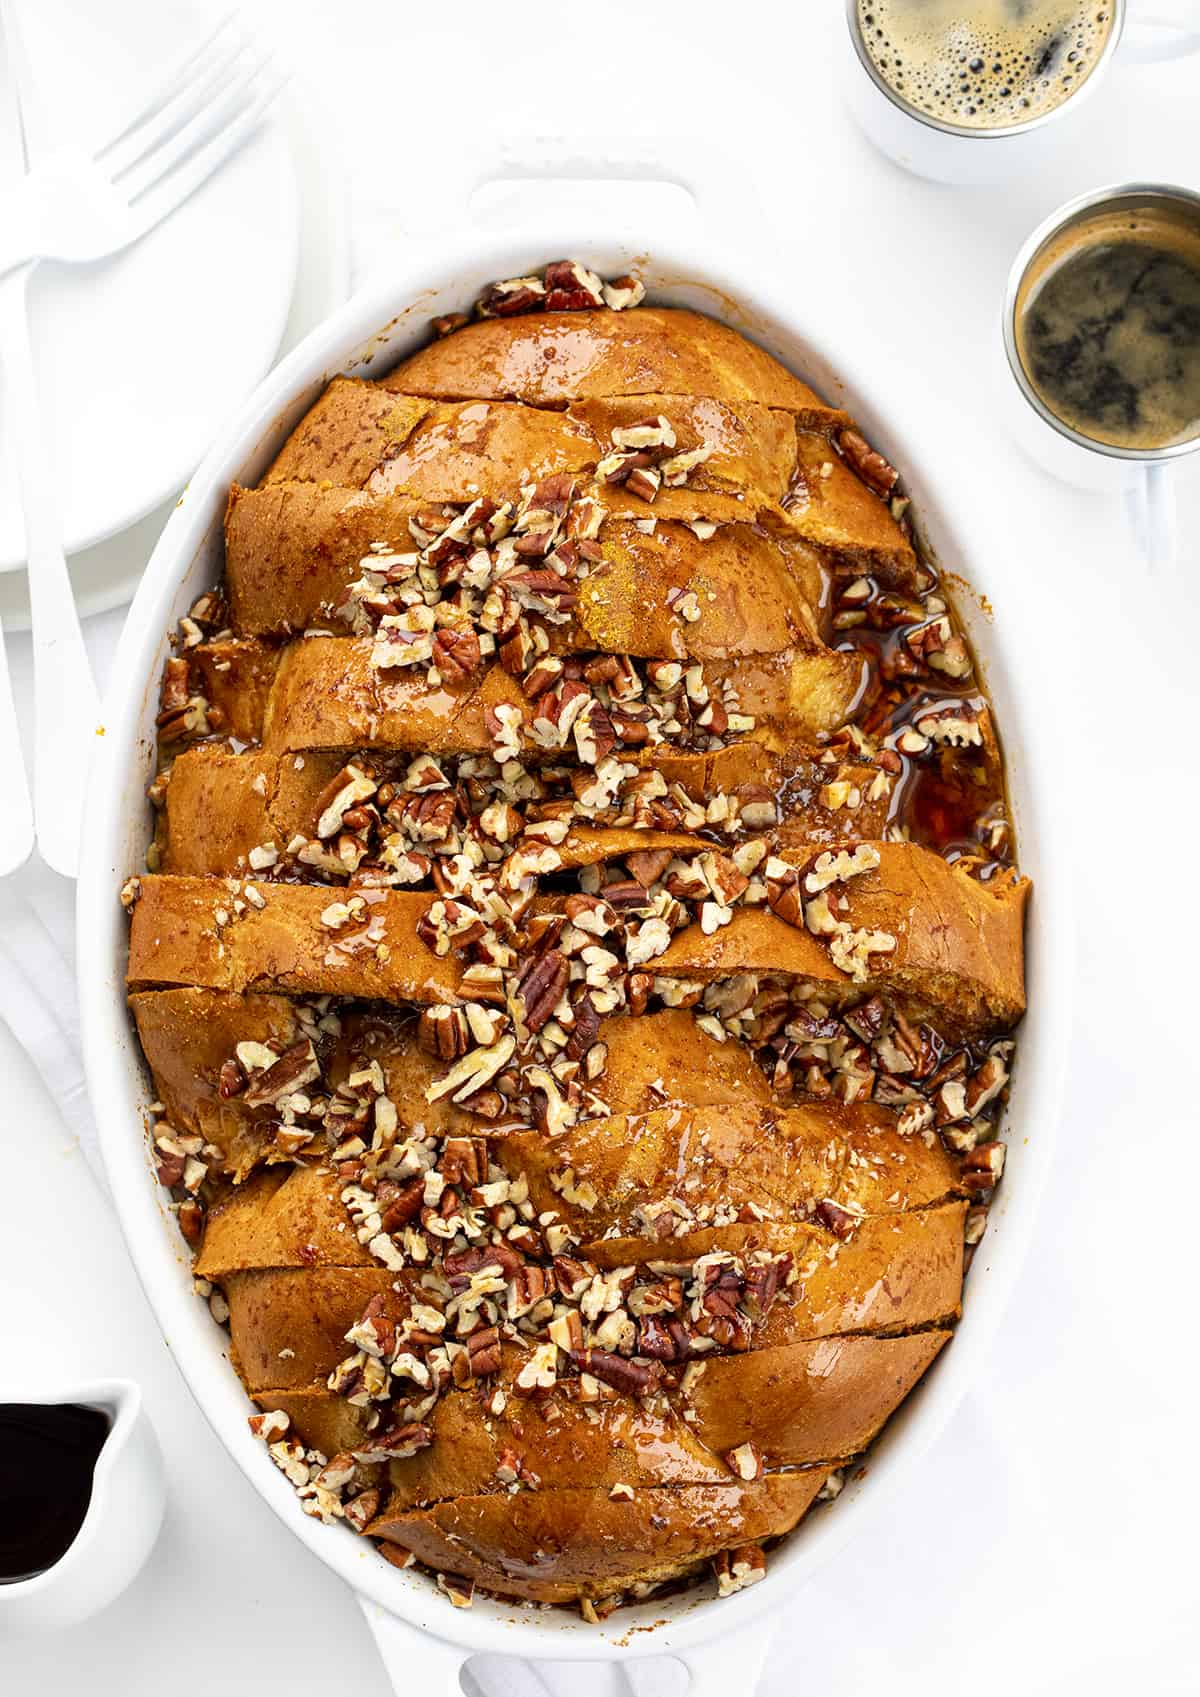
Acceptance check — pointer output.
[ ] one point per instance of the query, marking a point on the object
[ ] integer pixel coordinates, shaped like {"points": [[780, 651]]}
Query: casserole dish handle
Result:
{"points": [[732, 1662], [538, 171], [415, 1661], [419, 1661]]}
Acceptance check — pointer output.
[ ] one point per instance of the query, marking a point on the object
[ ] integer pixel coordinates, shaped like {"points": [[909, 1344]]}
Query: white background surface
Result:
{"points": [[1047, 1543]]}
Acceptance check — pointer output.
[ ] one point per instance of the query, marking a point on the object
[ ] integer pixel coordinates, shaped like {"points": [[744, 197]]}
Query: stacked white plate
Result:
{"points": [[142, 358]]}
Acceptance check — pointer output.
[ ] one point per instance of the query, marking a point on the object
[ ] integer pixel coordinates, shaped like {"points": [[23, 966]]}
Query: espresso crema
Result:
{"points": [[985, 64]]}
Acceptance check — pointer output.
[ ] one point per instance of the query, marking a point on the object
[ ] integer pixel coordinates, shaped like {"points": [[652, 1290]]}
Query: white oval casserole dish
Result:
{"points": [[681, 271]]}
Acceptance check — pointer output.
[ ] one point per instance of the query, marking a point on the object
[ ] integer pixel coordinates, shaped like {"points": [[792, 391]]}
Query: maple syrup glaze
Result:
{"points": [[48, 1456], [949, 799]]}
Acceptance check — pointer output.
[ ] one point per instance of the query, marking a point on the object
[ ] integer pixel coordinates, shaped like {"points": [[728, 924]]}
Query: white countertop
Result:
{"points": [[1046, 1544]]}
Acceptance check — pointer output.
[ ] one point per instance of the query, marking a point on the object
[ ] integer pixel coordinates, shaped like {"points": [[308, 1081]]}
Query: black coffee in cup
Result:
{"points": [[1108, 327], [985, 64]]}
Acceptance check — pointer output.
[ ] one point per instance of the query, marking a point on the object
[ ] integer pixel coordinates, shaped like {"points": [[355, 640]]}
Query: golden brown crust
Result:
{"points": [[666, 1056], [561, 1445], [188, 1034], [780, 1162], [220, 806], [327, 694], [347, 433], [548, 359], [897, 1273], [293, 550], [749, 600], [288, 1325], [958, 942], [236, 676], [361, 436], [284, 1217], [553, 1546], [199, 931], [835, 511], [322, 1421], [808, 1402]]}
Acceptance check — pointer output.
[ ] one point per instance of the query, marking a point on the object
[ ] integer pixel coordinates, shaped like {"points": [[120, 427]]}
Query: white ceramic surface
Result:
{"points": [[140, 357], [376, 328], [122, 1519]]}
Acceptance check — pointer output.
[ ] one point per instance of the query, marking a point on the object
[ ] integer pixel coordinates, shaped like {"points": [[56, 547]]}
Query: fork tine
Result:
{"points": [[171, 191], [167, 86], [196, 89], [220, 108]]}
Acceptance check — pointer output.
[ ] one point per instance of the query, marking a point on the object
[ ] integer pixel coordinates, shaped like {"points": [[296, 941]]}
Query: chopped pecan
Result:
{"points": [[648, 865], [174, 691], [866, 1020], [543, 675], [626, 895], [762, 1284], [443, 1032], [514, 295], [463, 1161], [542, 988], [402, 1441], [399, 1204], [594, 733], [571, 287], [631, 1377], [783, 892], [191, 1222], [169, 1164], [840, 1221], [361, 1510], [745, 1461], [624, 292], [737, 1568], [456, 654], [982, 1167], [483, 1352], [526, 1289], [296, 1067], [655, 1339], [871, 467]]}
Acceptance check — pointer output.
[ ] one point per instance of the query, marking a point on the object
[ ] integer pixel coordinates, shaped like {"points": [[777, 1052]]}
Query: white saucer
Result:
{"points": [[106, 574]]}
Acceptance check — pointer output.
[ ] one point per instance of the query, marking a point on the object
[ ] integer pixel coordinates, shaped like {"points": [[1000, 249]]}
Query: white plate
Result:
{"points": [[107, 574], [140, 358]]}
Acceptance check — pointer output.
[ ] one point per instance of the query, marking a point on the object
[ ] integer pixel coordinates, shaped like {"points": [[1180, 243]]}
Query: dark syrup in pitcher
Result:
{"points": [[48, 1456]]}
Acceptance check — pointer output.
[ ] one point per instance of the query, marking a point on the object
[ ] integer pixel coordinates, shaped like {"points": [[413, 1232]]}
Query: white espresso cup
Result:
{"points": [[949, 152], [1143, 474]]}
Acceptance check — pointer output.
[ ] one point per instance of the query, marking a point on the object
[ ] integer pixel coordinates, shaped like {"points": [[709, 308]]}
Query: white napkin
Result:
{"points": [[37, 993]]}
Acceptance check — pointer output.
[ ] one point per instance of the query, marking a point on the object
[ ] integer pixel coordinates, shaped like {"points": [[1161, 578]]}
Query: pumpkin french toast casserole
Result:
{"points": [[579, 949]]}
